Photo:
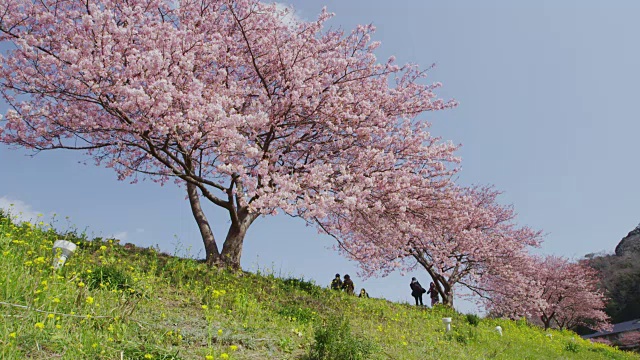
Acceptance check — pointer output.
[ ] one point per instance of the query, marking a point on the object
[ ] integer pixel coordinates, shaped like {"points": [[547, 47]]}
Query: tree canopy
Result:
{"points": [[250, 111]]}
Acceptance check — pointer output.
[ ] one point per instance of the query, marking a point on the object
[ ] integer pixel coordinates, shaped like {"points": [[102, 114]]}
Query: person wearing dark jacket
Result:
{"points": [[416, 291], [363, 293], [434, 294], [347, 285], [336, 283]]}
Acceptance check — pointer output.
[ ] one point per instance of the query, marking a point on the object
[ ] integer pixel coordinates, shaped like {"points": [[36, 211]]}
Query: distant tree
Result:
{"points": [[457, 236], [629, 339], [602, 341], [248, 110], [552, 289], [619, 278]]}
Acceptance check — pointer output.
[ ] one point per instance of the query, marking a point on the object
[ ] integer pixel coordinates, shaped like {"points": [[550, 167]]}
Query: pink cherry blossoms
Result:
{"points": [[550, 290], [459, 236], [250, 112], [257, 114]]}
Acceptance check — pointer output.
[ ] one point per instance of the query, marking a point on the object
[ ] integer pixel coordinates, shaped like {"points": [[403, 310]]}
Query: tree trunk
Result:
{"points": [[210, 246], [447, 297], [232, 248]]}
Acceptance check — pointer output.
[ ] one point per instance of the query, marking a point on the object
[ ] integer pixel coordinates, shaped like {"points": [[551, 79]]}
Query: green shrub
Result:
{"points": [[301, 284], [335, 341], [108, 277], [295, 313], [473, 319], [461, 336], [572, 346]]}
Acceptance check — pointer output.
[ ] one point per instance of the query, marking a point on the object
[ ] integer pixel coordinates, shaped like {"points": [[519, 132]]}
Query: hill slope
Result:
{"points": [[112, 302]]}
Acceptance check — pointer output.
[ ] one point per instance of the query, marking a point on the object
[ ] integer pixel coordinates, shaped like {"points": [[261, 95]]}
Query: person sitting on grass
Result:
{"points": [[336, 283], [363, 293]]}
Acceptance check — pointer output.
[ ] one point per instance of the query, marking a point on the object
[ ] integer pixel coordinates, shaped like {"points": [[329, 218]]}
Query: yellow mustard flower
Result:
{"points": [[39, 325], [224, 356]]}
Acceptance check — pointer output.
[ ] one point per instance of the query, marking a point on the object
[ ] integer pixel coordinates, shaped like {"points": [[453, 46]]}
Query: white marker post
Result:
{"points": [[62, 250], [447, 323], [499, 329]]}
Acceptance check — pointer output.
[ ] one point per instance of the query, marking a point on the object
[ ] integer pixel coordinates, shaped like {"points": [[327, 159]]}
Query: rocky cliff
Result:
{"points": [[630, 243]]}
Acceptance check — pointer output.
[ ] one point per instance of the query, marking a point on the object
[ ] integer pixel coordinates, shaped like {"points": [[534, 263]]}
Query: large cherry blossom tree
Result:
{"points": [[551, 289], [246, 108], [457, 235]]}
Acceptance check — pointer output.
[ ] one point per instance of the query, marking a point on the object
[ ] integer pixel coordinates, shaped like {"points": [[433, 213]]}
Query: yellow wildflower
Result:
{"points": [[39, 325], [233, 348], [224, 356], [89, 300], [13, 335], [205, 307]]}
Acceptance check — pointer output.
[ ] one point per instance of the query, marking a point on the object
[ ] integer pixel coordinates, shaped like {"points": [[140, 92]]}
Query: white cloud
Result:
{"points": [[18, 210], [122, 236]]}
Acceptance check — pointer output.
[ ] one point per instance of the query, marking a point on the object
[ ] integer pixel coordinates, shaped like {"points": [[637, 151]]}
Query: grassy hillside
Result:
{"points": [[110, 302]]}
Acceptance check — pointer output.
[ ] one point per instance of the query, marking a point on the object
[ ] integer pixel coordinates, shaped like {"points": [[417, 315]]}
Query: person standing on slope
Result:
{"points": [[434, 294], [347, 285], [416, 291]]}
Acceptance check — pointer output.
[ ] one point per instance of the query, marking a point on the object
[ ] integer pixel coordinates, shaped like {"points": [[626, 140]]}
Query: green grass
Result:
{"points": [[109, 302]]}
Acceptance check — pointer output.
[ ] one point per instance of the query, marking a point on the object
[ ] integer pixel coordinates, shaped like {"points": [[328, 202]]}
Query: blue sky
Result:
{"points": [[548, 113]]}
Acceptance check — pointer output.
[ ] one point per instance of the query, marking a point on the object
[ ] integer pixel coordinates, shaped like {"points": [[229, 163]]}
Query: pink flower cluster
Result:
{"points": [[257, 113]]}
